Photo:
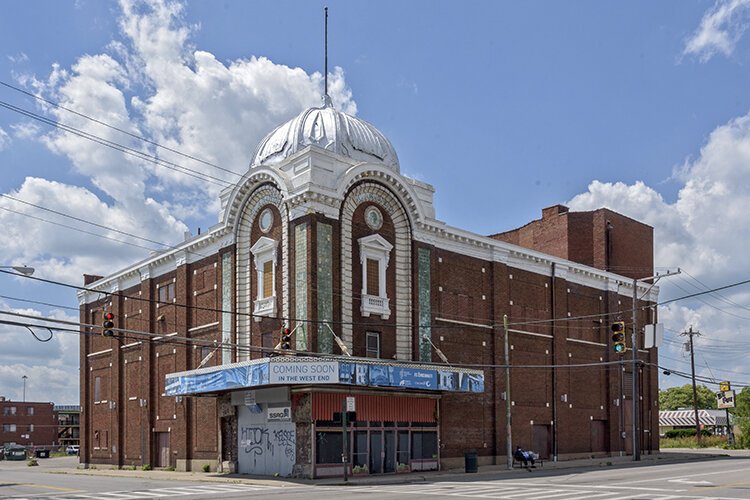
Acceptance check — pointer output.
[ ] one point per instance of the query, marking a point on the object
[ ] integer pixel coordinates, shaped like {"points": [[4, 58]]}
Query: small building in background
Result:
{"points": [[28, 424], [68, 424], [713, 420]]}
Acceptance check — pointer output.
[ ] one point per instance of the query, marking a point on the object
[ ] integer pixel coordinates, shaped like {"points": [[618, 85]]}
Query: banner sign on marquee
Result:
{"points": [[285, 371]]}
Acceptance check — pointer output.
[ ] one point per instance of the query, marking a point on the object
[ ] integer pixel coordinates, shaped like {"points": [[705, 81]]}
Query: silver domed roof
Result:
{"points": [[331, 130]]}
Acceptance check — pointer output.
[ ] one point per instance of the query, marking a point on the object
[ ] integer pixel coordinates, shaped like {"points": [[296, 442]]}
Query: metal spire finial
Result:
{"points": [[325, 92]]}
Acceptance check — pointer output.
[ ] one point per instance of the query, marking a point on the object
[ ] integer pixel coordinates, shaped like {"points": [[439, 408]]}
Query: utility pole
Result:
{"points": [[690, 334], [508, 431]]}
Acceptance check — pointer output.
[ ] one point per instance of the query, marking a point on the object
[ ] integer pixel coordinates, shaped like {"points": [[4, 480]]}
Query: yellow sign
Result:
{"points": [[724, 386]]}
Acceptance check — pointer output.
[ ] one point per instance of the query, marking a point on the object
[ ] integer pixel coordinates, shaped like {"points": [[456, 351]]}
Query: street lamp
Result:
{"points": [[26, 271]]}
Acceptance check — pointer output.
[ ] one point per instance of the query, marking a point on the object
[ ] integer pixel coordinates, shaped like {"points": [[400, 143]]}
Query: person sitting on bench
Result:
{"points": [[524, 456]]}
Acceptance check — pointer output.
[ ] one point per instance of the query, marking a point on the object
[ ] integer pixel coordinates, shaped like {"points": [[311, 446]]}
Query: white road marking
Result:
{"points": [[688, 481], [684, 476]]}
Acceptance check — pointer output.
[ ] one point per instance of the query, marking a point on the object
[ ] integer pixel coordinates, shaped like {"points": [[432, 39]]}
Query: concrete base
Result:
{"points": [[196, 465]]}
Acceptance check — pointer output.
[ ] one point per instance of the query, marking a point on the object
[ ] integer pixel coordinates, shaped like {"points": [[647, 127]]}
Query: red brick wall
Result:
{"points": [[582, 237], [43, 420]]}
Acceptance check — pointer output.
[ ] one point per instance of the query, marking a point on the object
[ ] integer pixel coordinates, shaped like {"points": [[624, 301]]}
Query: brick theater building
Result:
{"points": [[326, 237]]}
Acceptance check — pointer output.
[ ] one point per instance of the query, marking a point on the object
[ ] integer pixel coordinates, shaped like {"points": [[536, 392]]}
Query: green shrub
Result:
{"points": [[681, 433], [146, 467], [206, 468]]}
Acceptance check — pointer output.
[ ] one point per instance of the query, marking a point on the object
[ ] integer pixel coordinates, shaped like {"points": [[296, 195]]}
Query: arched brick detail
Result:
{"points": [[376, 193], [263, 195]]}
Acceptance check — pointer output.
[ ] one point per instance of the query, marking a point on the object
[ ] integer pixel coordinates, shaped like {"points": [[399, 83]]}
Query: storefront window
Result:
{"points": [[402, 455], [328, 447], [359, 457], [423, 445]]}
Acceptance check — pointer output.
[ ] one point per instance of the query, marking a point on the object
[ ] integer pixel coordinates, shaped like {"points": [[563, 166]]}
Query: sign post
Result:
{"points": [[344, 445], [725, 398]]}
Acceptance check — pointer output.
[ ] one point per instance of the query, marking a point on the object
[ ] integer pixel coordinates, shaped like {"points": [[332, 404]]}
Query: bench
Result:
{"points": [[538, 462]]}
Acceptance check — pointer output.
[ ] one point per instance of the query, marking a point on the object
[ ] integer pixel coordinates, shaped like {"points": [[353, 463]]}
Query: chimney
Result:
{"points": [[554, 210], [90, 278]]}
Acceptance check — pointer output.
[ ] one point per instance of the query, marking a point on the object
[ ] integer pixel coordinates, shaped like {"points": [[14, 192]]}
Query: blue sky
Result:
{"points": [[504, 107]]}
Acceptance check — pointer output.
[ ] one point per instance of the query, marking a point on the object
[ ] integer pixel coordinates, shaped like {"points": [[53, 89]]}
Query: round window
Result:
{"points": [[373, 218], [266, 220]]}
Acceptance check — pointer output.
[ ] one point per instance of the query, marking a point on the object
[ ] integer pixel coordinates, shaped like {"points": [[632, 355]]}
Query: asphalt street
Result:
{"points": [[694, 477]]}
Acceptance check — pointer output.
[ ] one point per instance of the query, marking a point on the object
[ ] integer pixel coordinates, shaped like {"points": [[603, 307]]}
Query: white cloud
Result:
{"points": [[51, 367], [19, 58], [53, 249], [151, 82], [720, 29], [4, 139], [705, 233]]}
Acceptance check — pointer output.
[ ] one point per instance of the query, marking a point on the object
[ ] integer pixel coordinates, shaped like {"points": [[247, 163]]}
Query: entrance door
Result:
{"points": [[598, 436], [540, 440], [376, 452], [162, 452], [389, 459]]}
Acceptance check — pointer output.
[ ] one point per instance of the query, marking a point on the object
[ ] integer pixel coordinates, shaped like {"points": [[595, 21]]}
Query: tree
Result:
{"points": [[741, 414], [682, 397]]}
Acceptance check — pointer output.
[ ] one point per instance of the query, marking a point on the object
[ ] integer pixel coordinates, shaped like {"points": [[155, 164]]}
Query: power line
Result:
{"points": [[118, 147], [18, 299], [100, 122], [41, 219], [332, 322], [85, 221]]}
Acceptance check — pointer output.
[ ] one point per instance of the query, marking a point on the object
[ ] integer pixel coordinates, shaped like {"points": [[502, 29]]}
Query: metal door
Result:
{"points": [[162, 455]]}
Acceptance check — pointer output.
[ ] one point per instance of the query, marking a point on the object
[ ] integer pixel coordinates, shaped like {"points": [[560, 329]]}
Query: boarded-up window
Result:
{"points": [[166, 293], [267, 279], [97, 389], [373, 277], [373, 345]]}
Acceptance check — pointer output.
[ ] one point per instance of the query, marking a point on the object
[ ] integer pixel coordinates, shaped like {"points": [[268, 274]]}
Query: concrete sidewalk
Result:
{"points": [[485, 471]]}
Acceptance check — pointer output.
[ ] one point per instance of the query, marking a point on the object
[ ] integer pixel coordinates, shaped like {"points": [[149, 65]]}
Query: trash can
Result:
{"points": [[470, 461], [42, 453]]}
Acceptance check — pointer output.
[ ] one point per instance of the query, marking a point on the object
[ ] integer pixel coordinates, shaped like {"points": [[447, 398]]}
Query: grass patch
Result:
{"points": [[690, 442]]}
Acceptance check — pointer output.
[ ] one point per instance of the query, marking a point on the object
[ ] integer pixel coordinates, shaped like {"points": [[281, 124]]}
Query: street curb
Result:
{"points": [[451, 474]]}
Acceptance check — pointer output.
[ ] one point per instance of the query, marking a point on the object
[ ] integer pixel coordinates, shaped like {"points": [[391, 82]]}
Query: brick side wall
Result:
{"points": [[40, 426]]}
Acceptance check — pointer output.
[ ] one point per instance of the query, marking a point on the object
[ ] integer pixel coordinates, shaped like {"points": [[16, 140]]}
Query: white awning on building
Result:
{"points": [[686, 418]]}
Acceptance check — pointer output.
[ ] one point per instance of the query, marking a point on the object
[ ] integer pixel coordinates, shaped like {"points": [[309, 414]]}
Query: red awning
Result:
{"points": [[379, 408]]}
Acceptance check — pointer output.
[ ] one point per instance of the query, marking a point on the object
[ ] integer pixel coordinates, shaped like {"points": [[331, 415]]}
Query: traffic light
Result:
{"points": [[108, 324], [286, 339], [618, 337]]}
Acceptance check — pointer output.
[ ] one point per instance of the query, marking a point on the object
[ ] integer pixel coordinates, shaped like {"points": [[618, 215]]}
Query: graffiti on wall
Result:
{"points": [[285, 440], [263, 444]]}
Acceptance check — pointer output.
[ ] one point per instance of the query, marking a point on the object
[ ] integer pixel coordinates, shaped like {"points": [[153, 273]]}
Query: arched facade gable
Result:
{"points": [[256, 199], [383, 196], [382, 175], [251, 180]]}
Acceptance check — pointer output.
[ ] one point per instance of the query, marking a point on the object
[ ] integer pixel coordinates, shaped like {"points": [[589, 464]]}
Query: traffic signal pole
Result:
{"points": [[634, 346], [636, 392]]}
